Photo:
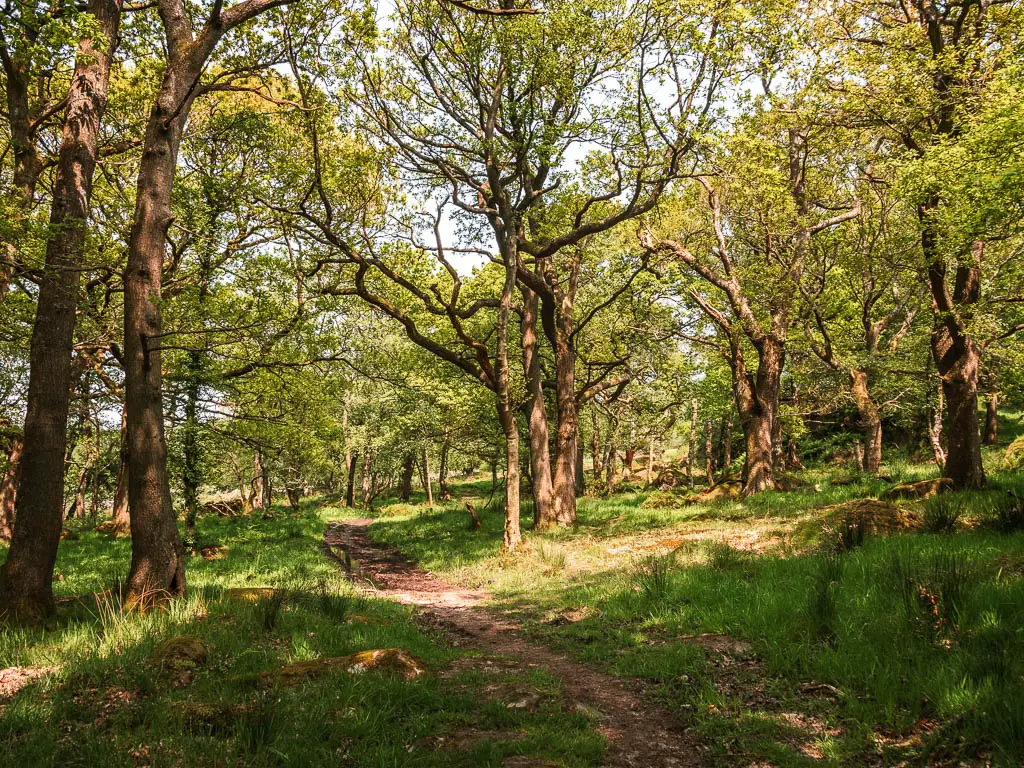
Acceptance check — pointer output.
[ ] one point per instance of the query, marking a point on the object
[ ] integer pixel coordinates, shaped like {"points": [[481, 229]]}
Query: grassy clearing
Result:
{"points": [[911, 645], [109, 703]]}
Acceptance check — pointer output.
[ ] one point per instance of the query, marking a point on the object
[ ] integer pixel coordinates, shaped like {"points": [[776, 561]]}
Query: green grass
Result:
{"points": [[110, 704], [922, 634]]}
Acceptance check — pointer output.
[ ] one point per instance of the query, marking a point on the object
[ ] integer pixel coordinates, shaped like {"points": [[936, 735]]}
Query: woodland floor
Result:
{"points": [[638, 730], [660, 630]]}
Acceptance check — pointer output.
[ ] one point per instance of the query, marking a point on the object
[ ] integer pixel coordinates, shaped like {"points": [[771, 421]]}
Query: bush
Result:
{"points": [[942, 513]]}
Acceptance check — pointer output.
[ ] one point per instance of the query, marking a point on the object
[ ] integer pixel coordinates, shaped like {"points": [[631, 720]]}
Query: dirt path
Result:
{"points": [[639, 733]]}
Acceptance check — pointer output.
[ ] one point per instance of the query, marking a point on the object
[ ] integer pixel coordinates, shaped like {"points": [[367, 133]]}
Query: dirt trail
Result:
{"points": [[639, 733]]}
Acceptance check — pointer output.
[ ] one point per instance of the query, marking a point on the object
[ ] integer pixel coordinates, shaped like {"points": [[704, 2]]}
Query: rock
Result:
{"points": [[68, 535], [846, 524], [571, 616], [213, 552], [396, 660], [180, 651], [249, 594], [111, 528], [527, 701], [787, 483], [1013, 459], [720, 644], [924, 489], [729, 490]]}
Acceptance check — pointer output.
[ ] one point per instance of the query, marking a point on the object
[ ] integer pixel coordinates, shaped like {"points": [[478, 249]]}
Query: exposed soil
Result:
{"points": [[639, 732]]}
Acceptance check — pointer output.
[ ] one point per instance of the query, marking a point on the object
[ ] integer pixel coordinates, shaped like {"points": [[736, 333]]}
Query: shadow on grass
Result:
{"points": [[111, 704]]}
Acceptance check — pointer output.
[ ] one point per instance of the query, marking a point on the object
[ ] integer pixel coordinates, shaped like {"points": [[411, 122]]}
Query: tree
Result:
{"points": [[26, 577], [158, 567], [914, 71], [750, 247]]}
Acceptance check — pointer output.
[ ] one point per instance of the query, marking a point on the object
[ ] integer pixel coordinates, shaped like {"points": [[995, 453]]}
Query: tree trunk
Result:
{"points": [[757, 399], [27, 575], [259, 499], [408, 466], [709, 453], [27, 164], [610, 458], [506, 412], [692, 448], [650, 460], [158, 565], [726, 440], [9, 487], [963, 444], [957, 355], [992, 419], [426, 477], [628, 459], [935, 433], [540, 457], [858, 455], [119, 513], [870, 420], [581, 482], [367, 475], [442, 471], [350, 490], [558, 326], [595, 445]]}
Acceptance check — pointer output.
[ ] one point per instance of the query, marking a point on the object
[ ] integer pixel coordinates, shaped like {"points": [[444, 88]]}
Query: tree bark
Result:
{"points": [[581, 482], [27, 575], [957, 355], [506, 413], [709, 454], [405, 488], [692, 447], [992, 419], [650, 460], [935, 432], [611, 477], [120, 515], [558, 326], [726, 440], [158, 566], [757, 399], [259, 493], [9, 487], [426, 477], [442, 471], [350, 490], [367, 475], [870, 419], [595, 445], [540, 457]]}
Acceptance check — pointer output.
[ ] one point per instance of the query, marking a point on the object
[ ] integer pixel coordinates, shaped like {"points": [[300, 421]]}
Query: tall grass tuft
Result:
{"points": [[1007, 513], [942, 513], [653, 576], [823, 608]]}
